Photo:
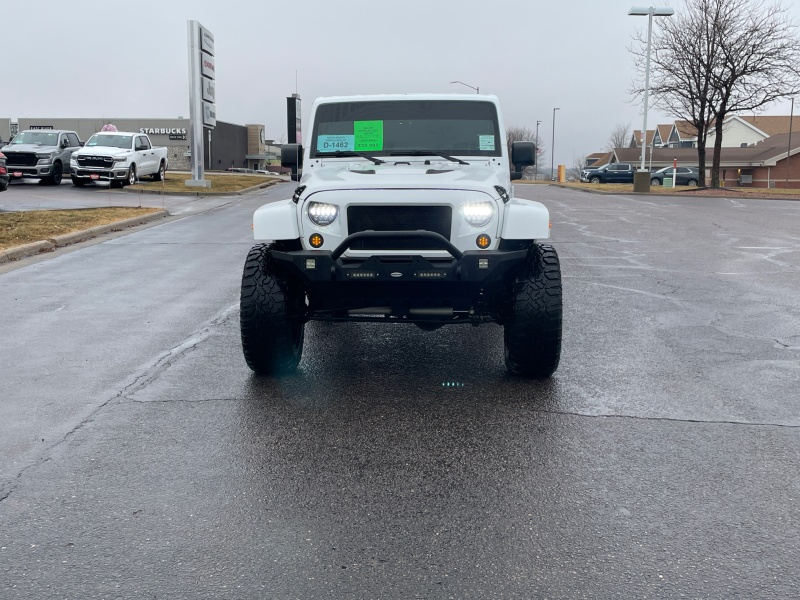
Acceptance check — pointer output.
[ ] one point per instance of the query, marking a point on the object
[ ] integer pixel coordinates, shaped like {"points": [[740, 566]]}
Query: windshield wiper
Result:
{"points": [[427, 153], [338, 153]]}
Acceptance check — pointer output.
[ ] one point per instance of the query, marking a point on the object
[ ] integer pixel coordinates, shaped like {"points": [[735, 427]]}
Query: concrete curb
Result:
{"points": [[254, 188], [682, 194], [31, 249], [75, 237]]}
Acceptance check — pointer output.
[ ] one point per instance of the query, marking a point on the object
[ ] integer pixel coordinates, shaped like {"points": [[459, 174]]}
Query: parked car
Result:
{"points": [[585, 171], [41, 154], [119, 157], [611, 173], [3, 173], [683, 176]]}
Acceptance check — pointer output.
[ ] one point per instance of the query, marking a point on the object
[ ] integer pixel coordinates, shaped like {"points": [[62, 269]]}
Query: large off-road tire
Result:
{"points": [[532, 336], [161, 173], [271, 315]]}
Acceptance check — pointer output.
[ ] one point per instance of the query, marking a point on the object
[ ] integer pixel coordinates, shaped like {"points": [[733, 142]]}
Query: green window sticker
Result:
{"points": [[369, 135], [486, 142]]}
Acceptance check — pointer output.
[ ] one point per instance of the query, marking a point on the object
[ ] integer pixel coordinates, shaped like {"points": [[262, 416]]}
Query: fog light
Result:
{"points": [[483, 263], [315, 240], [483, 241], [311, 263]]}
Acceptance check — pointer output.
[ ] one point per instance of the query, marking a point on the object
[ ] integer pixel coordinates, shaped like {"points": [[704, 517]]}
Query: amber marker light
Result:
{"points": [[483, 241], [315, 240]]}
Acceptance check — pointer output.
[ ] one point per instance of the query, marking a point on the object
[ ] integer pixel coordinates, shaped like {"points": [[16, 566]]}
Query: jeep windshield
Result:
{"points": [[110, 140], [40, 138], [406, 128]]}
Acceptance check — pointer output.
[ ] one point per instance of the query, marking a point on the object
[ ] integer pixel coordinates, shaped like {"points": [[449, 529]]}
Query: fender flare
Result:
{"points": [[525, 220], [276, 221]]}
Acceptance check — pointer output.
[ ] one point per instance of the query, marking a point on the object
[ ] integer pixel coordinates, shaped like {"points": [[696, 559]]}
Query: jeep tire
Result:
{"points": [[532, 332], [271, 315]]}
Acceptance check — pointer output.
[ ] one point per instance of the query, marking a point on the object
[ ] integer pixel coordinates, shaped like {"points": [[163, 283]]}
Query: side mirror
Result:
{"points": [[523, 154], [65, 143], [292, 158], [516, 175]]}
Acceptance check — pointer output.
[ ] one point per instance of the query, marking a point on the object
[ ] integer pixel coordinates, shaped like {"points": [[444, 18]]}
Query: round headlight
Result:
{"points": [[478, 214], [322, 214]]}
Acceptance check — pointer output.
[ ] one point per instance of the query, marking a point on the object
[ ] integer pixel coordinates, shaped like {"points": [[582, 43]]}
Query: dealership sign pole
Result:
{"points": [[202, 92]]}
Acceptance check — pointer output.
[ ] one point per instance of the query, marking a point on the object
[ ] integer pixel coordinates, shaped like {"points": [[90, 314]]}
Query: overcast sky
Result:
{"points": [[87, 58]]}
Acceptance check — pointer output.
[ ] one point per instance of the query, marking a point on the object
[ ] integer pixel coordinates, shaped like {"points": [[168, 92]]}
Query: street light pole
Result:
{"points": [[477, 90], [649, 12], [536, 164], [553, 145]]}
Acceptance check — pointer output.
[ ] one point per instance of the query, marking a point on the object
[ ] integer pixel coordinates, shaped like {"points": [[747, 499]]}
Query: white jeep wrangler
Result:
{"points": [[404, 213]]}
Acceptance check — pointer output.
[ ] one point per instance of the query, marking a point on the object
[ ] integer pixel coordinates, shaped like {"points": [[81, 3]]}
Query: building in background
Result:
{"points": [[229, 145]]}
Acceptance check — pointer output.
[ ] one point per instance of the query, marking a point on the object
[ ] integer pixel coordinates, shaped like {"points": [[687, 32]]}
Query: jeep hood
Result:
{"points": [[437, 175]]}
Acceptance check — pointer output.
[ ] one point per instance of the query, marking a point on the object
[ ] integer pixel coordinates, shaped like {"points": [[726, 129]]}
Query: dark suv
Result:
{"points": [[683, 176], [611, 173]]}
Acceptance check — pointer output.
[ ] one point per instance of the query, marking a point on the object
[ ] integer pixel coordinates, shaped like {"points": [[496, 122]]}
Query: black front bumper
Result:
{"points": [[467, 287], [325, 266]]}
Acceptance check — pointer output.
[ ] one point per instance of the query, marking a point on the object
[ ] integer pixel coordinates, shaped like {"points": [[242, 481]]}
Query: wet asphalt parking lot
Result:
{"points": [[139, 457]]}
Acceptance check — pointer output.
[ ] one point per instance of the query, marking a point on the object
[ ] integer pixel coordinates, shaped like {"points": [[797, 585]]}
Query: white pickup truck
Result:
{"points": [[119, 157]]}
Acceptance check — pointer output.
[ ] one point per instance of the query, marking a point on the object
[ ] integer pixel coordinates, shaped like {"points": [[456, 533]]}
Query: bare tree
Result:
{"points": [[620, 137], [760, 55], [578, 164], [525, 134], [718, 57]]}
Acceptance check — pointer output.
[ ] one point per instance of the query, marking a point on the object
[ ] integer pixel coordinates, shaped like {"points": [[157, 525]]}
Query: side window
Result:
{"points": [[73, 140]]}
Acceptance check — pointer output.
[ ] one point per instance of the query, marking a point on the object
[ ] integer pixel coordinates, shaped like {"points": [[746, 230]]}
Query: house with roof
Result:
{"points": [[771, 163], [739, 131], [660, 136], [757, 150], [636, 138], [598, 158]]}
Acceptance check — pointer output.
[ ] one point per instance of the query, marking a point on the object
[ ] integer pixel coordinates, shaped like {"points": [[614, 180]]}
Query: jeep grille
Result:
{"points": [[398, 218]]}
